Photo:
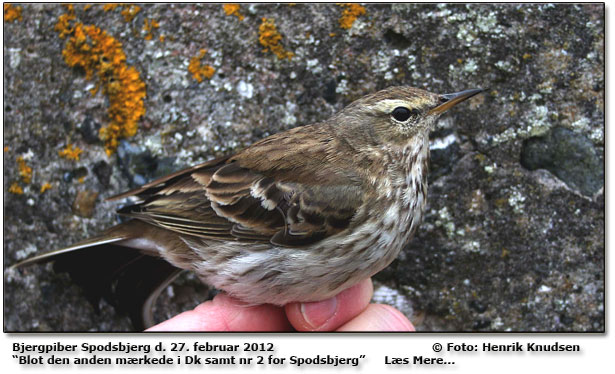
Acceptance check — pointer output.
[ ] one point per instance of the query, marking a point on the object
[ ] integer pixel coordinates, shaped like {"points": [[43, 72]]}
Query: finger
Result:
{"points": [[328, 315], [379, 317], [225, 313]]}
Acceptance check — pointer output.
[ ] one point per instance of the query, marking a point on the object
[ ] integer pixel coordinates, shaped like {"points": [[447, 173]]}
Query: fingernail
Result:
{"points": [[318, 313]]}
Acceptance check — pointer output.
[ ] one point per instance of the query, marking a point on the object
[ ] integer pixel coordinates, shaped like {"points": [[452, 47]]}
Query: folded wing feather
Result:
{"points": [[243, 198]]}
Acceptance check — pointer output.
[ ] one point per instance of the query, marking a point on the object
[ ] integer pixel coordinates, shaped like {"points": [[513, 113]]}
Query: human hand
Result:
{"points": [[350, 310]]}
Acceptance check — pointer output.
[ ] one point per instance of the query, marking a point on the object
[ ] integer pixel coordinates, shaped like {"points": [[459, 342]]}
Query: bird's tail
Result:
{"points": [[130, 279]]}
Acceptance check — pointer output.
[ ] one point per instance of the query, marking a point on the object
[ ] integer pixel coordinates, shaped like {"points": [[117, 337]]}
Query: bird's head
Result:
{"points": [[396, 114]]}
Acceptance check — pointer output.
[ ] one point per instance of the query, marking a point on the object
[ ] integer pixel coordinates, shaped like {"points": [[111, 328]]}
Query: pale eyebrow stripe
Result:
{"points": [[389, 104]]}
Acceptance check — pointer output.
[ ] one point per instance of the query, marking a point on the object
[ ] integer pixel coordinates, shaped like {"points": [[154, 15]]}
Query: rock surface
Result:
{"points": [[513, 238]]}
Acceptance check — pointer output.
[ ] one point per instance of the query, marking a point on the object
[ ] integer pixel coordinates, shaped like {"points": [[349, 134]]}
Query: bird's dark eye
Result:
{"points": [[401, 114]]}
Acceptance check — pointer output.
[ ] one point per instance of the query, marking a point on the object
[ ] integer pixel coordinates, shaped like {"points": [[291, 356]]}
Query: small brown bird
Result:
{"points": [[298, 216]]}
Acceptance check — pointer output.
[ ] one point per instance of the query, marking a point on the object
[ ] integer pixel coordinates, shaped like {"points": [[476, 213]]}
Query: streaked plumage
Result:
{"points": [[298, 216]]}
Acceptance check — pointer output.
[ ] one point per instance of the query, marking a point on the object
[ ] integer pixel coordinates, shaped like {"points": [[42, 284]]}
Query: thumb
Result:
{"points": [[329, 314]]}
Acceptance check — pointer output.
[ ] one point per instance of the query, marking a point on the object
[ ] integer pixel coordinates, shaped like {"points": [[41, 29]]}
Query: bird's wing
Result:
{"points": [[287, 213], [168, 180], [290, 194]]}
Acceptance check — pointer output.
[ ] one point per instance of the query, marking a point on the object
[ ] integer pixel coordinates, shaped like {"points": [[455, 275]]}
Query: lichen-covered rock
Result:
{"points": [[569, 156], [513, 238]]}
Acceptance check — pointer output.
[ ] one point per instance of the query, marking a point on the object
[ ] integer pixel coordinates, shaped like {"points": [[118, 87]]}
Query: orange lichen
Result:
{"points": [[126, 93], [161, 38], [70, 152], [331, 34], [98, 53], [269, 37], [87, 7], [24, 170], [94, 91], [233, 9], [111, 7], [6, 148], [45, 187], [81, 180], [12, 13], [130, 12], [148, 27], [63, 26], [16, 189], [199, 71], [350, 14]]}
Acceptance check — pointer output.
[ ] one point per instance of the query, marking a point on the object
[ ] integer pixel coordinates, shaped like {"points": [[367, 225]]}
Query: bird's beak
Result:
{"points": [[450, 100]]}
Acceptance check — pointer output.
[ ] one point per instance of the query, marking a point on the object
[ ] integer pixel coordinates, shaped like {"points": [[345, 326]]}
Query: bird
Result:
{"points": [[298, 216]]}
